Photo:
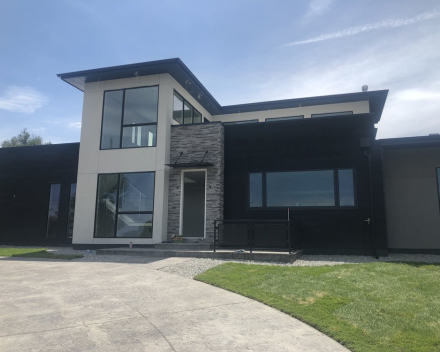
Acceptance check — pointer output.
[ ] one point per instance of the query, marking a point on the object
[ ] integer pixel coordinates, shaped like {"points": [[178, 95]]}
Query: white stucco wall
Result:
{"points": [[93, 161]]}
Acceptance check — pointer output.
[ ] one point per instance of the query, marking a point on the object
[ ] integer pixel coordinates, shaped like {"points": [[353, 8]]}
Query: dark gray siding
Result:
{"points": [[25, 177], [412, 200], [310, 144]]}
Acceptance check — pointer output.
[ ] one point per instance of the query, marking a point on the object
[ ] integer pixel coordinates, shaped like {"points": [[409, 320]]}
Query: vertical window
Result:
{"points": [[256, 190], [197, 118], [346, 188], [125, 205], [130, 118], [187, 113], [184, 112], [178, 108], [71, 214], [111, 123], [106, 205], [53, 213]]}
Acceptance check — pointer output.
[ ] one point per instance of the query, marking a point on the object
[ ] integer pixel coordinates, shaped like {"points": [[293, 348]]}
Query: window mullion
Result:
{"points": [[122, 119], [117, 205]]}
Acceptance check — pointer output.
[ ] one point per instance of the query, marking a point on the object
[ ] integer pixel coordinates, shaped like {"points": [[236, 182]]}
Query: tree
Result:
{"points": [[23, 139]]}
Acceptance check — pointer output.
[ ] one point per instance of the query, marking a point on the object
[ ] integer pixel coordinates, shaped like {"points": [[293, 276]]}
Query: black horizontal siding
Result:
{"points": [[25, 177], [325, 143]]}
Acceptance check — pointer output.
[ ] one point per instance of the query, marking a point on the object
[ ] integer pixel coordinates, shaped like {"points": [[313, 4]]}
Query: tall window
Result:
{"points": [[317, 188], [183, 112], [255, 190], [124, 207], [71, 214], [130, 118], [53, 212]]}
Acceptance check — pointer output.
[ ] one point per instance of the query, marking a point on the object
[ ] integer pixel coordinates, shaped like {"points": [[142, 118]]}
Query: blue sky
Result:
{"points": [[242, 51]]}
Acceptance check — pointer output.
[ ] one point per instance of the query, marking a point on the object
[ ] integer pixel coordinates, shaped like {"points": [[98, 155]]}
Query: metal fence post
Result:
{"points": [[289, 237], [215, 233], [250, 236]]}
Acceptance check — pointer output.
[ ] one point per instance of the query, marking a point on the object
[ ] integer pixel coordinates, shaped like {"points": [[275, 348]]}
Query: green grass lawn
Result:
{"points": [[366, 307], [35, 253]]}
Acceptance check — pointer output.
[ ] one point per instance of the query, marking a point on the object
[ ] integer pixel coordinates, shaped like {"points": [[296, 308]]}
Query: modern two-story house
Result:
{"points": [[159, 157]]}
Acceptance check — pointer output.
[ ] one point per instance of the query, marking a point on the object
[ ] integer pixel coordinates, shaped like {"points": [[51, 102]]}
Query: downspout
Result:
{"points": [[370, 175]]}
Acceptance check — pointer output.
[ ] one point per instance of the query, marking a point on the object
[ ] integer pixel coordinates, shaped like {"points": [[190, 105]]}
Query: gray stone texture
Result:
{"points": [[194, 141]]}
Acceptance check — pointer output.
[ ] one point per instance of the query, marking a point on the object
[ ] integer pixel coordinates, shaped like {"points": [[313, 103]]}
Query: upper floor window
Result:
{"points": [[240, 122], [333, 114], [183, 112], [276, 119], [129, 118]]}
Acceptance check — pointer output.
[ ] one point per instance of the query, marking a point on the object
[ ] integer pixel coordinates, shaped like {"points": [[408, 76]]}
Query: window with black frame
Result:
{"points": [[124, 206], [52, 229], [311, 188], [71, 213], [183, 112], [129, 118]]}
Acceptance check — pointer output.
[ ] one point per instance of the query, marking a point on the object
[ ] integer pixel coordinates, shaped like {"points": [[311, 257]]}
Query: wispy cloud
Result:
{"points": [[316, 8], [390, 23], [22, 99], [76, 124]]}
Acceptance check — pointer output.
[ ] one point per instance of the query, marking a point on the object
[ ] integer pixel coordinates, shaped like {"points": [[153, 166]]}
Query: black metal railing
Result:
{"points": [[253, 234]]}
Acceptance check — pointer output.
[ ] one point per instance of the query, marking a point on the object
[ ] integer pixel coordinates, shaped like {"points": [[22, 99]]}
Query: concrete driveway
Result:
{"points": [[91, 306]]}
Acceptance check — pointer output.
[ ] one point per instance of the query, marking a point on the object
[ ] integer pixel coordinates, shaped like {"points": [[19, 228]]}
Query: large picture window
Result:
{"points": [[312, 188], [124, 206], [130, 118], [183, 112]]}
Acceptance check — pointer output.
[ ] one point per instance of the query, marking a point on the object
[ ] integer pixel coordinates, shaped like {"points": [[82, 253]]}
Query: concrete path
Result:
{"points": [[79, 306]]}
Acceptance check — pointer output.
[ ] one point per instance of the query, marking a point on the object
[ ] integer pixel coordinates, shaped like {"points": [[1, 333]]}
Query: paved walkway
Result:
{"points": [[78, 306]]}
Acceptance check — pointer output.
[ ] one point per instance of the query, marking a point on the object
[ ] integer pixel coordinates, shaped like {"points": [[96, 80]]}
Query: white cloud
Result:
{"points": [[390, 23], [316, 8], [22, 99], [418, 94], [76, 124]]}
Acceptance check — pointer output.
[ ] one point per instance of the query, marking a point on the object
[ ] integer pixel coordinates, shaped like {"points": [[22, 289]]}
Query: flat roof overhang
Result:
{"points": [[181, 73], [409, 142]]}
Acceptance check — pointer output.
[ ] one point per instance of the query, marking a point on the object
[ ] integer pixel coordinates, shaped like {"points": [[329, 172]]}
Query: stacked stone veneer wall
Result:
{"points": [[194, 141]]}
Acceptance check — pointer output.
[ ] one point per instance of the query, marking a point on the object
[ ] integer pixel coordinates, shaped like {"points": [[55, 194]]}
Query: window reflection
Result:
{"points": [[125, 205], [53, 213]]}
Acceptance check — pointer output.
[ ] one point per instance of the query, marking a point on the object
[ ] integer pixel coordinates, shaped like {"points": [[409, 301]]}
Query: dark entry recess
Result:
{"points": [[193, 214]]}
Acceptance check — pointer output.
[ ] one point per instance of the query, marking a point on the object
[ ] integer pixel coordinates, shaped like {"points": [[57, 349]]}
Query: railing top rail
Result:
{"points": [[252, 220]]}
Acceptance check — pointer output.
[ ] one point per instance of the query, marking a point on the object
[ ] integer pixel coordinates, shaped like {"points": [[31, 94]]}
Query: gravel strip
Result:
{"points": [[195, 266]]}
